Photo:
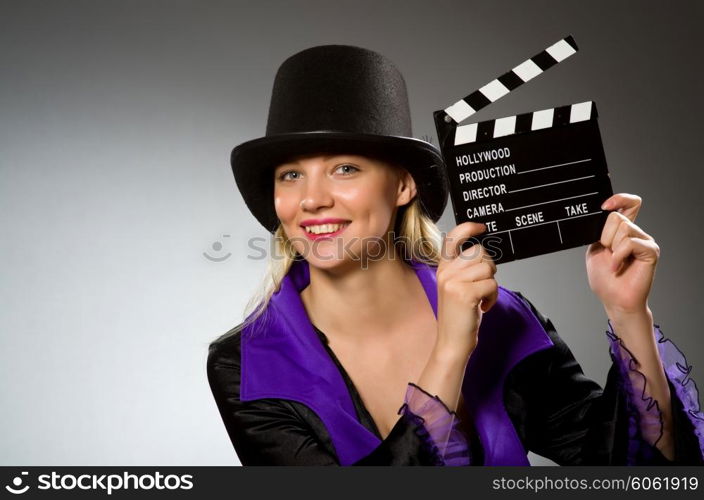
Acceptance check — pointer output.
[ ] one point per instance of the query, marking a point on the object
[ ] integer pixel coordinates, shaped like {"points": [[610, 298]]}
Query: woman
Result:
{"points": [[376, 341]]}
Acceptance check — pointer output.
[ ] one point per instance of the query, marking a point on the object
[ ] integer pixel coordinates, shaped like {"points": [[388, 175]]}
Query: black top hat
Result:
{"points": [[337, 99]]}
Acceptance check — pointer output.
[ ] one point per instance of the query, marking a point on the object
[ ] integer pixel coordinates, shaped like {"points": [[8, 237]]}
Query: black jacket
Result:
{"points": [[557, 411]]}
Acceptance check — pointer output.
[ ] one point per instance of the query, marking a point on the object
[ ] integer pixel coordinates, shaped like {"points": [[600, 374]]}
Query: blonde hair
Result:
{"points": [[417, 238]]}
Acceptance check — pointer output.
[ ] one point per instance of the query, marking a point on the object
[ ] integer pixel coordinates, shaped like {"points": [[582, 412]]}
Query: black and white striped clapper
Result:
{"points": [[537, 180]]}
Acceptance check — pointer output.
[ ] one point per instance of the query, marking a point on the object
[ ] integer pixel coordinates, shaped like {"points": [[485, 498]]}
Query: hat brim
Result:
{"points": [[253, 163]]}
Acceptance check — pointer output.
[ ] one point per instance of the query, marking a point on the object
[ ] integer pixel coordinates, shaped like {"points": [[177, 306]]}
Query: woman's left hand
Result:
{"points": [[621, 265]]}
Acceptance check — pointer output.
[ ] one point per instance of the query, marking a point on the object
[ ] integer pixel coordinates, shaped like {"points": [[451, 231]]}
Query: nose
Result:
{"points": [[316, 194]]}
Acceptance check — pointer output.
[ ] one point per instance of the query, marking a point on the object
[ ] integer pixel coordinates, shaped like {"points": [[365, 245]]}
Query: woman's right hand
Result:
{"points": [[466, 290]]}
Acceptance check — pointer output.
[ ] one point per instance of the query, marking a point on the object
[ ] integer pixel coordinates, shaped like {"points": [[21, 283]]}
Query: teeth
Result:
{"points": [[324, 228]]}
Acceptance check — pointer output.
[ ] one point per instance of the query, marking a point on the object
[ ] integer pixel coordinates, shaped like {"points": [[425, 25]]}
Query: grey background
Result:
{"points": [[117, 119]]}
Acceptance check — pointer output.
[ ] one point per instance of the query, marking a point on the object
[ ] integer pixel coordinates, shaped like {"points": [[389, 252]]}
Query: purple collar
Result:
{"points": [[283, 357]]}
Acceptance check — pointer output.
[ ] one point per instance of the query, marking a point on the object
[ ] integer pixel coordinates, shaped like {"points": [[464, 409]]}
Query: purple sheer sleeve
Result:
{"points": [[645, 426], [437, 425]]}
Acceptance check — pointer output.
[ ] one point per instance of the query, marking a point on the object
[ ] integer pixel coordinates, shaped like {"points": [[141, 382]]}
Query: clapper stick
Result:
{"points": [[446, 120]]}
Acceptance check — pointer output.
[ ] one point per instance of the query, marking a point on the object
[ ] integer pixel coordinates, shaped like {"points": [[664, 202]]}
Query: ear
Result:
{"points": [[406, 187]]}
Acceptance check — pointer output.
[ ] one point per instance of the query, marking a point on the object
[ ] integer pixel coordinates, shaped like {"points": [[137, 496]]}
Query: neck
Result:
{"points": [[358, 301]]}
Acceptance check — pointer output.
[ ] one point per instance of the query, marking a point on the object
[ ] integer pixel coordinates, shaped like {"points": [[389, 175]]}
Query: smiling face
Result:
{"points": [[339, 208]]}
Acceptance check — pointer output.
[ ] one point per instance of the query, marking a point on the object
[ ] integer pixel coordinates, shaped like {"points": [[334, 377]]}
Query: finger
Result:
{"points": [[473, 255], [477, 272], [613, 222], [491, 300], [628, 229], [452, 241], [485, 290], [640, 249], [625, 203]]}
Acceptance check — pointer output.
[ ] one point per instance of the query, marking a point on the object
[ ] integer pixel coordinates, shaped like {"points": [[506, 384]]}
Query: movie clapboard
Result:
{"points": [[537, 180]]}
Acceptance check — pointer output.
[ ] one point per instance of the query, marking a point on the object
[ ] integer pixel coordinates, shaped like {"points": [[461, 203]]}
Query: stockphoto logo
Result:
{"points": [[101, 482], [16, 487]]}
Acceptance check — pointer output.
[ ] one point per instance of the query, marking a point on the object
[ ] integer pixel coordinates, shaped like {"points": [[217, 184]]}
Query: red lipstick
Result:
{"points": [[316, 222]]}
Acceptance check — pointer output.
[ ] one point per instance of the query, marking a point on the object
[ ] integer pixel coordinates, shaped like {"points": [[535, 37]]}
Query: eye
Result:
{"points": [[351, 168], [282, 176]]}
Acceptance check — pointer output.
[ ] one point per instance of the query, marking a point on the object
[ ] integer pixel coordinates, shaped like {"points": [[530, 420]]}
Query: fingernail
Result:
{"points": [[605, 205]]}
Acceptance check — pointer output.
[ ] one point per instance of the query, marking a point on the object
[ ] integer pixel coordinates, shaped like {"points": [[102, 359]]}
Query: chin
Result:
{"points": [[331, 260], [325, 261]]}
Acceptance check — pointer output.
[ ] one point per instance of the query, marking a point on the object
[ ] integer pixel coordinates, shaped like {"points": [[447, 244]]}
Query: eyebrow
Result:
{"points": [[325, 158]]}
